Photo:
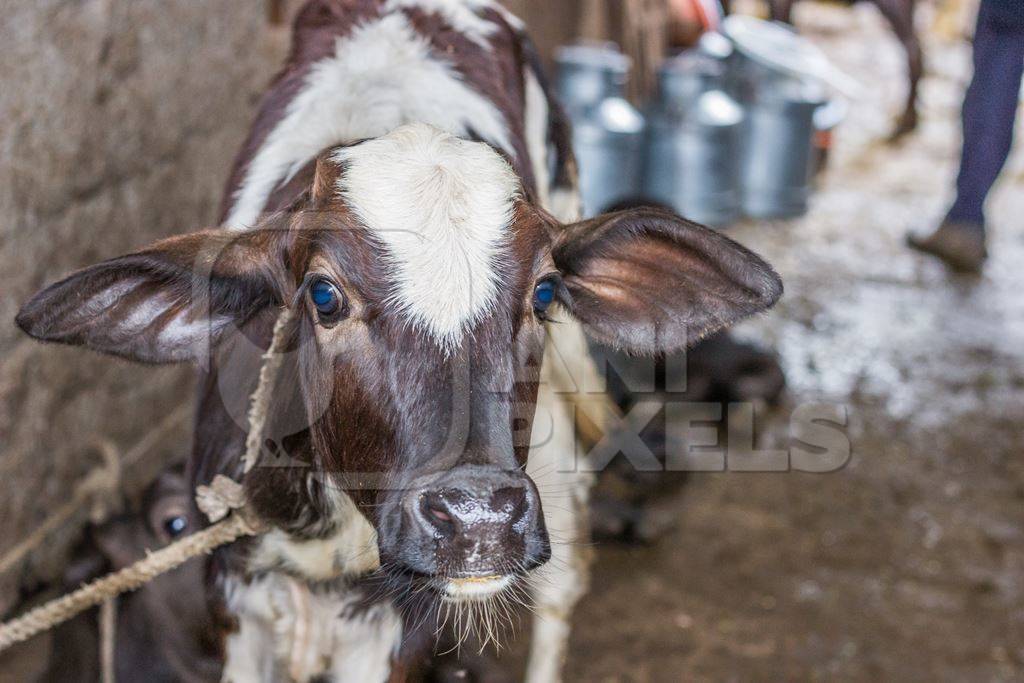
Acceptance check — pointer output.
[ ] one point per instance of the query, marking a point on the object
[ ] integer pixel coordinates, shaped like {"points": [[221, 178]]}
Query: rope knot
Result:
{"points": [[219, 498], [223, 496]]}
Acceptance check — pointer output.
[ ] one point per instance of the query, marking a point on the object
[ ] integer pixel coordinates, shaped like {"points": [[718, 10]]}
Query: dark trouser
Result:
{"points": [[990, 107]]}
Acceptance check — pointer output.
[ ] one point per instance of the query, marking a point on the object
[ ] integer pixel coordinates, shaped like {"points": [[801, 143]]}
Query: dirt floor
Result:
{"points": [[908, 564]]}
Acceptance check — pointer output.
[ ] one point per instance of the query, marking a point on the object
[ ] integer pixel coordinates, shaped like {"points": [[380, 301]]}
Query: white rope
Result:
{"points": [[260, 402]]}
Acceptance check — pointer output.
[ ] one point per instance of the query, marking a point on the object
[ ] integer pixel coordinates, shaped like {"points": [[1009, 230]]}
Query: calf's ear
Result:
{"points": [[647, 281], [167, 303]]}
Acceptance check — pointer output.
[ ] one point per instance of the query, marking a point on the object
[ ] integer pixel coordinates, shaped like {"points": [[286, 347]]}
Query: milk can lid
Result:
{"points": [[781, 48]]}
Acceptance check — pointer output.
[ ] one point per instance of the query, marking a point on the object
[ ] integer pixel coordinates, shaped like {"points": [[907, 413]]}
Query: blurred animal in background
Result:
{"points": [[636, 506], [164, 631], [900, 15], [629, 504]]}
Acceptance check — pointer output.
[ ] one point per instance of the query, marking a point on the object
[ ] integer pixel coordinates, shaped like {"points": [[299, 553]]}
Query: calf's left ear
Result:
{"points": [[168, 303], [647, 281]]}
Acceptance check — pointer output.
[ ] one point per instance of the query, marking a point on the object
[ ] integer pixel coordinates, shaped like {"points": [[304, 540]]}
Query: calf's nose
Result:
{"points": [[482, 521], [455, 513]]}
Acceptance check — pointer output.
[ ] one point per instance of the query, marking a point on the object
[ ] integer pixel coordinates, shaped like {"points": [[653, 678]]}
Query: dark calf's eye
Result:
{"points": [[543, 296], [327, 300], [175, 526]]}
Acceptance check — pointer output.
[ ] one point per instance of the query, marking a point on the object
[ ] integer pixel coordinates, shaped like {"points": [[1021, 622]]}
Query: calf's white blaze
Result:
{"points": [[382, 76], [441, 208]]}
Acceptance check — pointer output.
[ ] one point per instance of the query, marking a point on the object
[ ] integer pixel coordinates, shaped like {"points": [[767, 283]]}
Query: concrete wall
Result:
{"points": [[118, 122]]}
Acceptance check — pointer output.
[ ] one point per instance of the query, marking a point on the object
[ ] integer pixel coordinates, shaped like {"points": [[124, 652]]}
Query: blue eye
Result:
{"points": [[544, 295], [175, 526], [326, 298]]}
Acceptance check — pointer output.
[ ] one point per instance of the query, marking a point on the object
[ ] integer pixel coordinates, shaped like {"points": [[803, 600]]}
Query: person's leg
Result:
{"points": [[989, 112], [990, 108]]}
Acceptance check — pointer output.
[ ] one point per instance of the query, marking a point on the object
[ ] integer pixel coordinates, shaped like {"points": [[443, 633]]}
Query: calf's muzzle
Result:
{"points": [[470, 522]]}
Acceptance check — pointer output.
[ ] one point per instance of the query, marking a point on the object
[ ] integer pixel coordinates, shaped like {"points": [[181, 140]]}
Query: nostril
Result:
{"points": [[435, 511], [440, 514]]}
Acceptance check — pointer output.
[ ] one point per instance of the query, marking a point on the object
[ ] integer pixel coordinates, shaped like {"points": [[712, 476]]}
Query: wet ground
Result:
{"points": [[907, 564]]}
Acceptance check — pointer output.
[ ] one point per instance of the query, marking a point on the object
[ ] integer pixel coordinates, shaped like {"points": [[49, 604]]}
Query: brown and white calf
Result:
{"points": [[396, 196]]}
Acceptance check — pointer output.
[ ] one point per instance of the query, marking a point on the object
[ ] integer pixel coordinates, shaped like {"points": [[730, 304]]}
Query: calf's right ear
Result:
{"points": [[170, 302], [648, 281]]}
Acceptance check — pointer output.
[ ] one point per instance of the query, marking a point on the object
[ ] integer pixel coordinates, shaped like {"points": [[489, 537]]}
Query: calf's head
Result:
{"points": [[420, 276]]}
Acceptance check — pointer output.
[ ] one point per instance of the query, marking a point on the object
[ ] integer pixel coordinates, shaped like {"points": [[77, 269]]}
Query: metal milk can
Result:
{"points": [[694, 142], [607, 130], [778, 154]]}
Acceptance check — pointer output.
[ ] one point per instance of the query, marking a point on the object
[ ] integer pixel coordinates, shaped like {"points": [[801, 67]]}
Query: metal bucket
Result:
{"points": [[608, 132], [780, 78], [778, 147], [609, 151], [693, 142], [718, 47]]}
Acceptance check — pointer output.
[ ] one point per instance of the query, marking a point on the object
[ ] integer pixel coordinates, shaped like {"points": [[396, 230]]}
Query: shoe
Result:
{"points": [[960, 245]]}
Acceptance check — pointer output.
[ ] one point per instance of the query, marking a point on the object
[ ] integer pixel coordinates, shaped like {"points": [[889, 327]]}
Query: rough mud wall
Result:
{"points": [[118, 121]]}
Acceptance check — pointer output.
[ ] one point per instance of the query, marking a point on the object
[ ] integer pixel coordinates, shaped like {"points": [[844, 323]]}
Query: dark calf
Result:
{"points": [[637, 506], [164, 631]]}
